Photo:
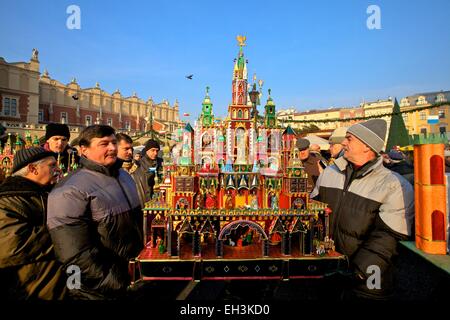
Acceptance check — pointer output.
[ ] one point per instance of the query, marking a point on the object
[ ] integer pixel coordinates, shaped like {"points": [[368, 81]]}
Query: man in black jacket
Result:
{"points": [[95, 219], [57, 137], [29, 269], [150, 167], [372, 208]]}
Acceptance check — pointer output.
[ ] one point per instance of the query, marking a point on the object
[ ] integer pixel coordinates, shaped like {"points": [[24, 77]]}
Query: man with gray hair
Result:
{"points": [[372, 208], [28, 267]]}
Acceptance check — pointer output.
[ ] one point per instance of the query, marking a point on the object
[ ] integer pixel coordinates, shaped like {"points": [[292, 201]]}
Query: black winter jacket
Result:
{"points": [[28, 265]]}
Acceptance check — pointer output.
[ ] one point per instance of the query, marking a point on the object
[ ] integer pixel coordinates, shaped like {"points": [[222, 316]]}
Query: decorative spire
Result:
{"points": [[97, 85]]}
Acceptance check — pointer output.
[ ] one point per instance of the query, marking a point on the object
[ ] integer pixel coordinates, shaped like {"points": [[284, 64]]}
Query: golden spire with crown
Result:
{"points": [[241, 40]]}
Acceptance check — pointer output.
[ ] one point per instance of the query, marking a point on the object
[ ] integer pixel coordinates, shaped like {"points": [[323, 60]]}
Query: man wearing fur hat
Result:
{"points": [[28, 266], [150, 166], [372, 208], [57, 137]]}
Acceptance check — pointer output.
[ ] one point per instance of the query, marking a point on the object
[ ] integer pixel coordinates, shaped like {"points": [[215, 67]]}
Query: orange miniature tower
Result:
{"points": [[430, 193]]}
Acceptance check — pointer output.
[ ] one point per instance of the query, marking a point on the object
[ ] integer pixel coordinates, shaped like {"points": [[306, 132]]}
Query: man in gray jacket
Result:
{"points": [[372, 208], [95, 219]]}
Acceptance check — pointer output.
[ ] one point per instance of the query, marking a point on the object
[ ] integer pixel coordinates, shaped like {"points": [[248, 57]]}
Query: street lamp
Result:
{"points": [[254, 95]]}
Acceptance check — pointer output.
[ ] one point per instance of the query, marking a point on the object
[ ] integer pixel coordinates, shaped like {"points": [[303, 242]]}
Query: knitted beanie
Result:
{"points": [[24, 157], [371, 132]]}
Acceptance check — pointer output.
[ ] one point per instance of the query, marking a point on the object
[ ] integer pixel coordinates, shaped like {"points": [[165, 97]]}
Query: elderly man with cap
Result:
{"points": [[335, 140], [372, 208], [311, 162], [28, 266], [150, 166], [57, 137]]}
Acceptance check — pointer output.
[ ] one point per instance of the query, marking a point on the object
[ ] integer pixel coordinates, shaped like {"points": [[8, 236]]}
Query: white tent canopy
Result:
{"points": [[313, 139]]}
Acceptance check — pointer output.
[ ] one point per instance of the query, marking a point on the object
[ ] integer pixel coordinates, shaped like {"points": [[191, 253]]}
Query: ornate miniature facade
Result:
{"points": [[236, 191]]}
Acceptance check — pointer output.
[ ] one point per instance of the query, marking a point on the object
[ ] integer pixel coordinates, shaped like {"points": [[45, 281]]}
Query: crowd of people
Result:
{"points": [[52, 221]]}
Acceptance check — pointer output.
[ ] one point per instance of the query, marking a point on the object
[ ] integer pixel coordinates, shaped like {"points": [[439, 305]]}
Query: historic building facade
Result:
{"points": [[433, 120], [29, 100]]}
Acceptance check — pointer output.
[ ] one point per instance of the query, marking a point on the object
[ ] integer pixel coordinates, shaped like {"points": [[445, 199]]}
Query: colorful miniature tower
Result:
{"points": [[18, 144], [288, 139], [240, 138], [28, 141], [36, 141], [187, 151], [430, 194], [207, 115], [270, 118]]}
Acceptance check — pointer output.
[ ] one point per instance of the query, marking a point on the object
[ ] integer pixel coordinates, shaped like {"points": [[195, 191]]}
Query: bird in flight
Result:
{"points": [[189, 76], [75, 97]]}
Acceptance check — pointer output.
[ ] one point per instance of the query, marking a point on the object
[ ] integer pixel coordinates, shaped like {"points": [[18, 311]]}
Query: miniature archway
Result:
{"points": [[206, 160], [226, 231]]}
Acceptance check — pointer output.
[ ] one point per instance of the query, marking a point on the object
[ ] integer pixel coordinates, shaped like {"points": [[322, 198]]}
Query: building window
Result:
{"points": [[64, 117], [41, 115], [442, 130], [405, 117], [421, 100], [88, 121], [440, 98], [110, 122], [404, 102], [441, 114], [423, 130], [422, 115], [9, 107], [13, 107], [127, 125]]}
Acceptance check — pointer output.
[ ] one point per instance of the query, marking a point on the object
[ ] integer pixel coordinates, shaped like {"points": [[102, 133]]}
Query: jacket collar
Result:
{"points": [[112, 171], [17, 184], [343, 164]]}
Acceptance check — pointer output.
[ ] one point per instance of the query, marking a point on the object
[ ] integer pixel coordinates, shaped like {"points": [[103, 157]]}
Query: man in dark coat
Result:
{"points": [[95, 219], [311, 162], [28, 266], [150, 167], [57, 137]]}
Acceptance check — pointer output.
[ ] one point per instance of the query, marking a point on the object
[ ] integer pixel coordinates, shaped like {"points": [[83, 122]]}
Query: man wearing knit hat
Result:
{"points": [[28, 267], [150, 167], [57, 137], [372, 208]]}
